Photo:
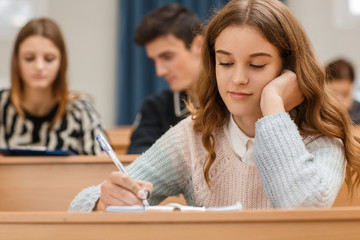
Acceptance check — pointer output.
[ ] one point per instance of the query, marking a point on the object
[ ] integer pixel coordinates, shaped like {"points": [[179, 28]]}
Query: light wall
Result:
{"points": [[90, 31], [328, 38]]}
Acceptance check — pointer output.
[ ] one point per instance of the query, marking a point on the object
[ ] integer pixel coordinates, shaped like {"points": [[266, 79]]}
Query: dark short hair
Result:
{"points": [[170, 19], [340, 69]]}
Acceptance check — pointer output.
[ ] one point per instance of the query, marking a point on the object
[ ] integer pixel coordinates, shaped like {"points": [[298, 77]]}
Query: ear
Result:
{"points": [[197, 44]]}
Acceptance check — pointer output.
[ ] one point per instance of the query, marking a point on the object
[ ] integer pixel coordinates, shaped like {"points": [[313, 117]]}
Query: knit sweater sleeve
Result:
{"points": [[85, 200], [163, 165], [293, 174]]}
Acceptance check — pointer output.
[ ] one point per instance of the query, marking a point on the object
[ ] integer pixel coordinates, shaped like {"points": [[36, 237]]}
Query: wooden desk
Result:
{"points": [[50, 183], [335, 223], [119, 138], [343, 198]]}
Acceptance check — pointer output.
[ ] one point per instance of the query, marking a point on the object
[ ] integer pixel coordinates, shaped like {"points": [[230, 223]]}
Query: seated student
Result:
{"points": [[171, 37], [265, 131], [38, 109], [341, 78]]}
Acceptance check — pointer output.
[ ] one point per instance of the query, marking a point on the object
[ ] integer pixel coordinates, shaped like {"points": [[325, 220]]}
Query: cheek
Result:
{"points": [[183, 63], [24, 69], [264, 78], [266, 82], [223, 75], [259, 80], [55, 67], [221, 82], [174, 66], [218, 79]]}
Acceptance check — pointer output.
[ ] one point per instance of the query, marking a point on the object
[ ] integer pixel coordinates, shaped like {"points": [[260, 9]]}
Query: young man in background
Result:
{"points": [[172, 39]]}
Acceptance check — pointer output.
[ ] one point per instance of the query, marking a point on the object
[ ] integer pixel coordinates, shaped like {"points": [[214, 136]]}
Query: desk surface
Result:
{"points": [[50, 183], [335, 223], [119, 137]]}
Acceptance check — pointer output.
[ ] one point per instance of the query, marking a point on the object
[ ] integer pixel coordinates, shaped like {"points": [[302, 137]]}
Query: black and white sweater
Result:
{"points": [[75, 131]]}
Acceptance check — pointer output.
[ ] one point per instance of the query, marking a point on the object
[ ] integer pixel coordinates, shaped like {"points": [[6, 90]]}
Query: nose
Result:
{"points": [[161, 69], [240, 76], [40, 64]]}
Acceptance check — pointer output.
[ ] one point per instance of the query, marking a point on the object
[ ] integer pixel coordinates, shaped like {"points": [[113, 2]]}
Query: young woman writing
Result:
{"points": [[264, 131]]}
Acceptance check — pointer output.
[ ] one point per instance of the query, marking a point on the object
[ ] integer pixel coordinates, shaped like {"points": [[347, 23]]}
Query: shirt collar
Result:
{"points": [[239, 141]]}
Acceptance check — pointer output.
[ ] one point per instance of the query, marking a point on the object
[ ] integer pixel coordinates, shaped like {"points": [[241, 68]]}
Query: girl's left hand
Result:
{"points": [[281, 94]]}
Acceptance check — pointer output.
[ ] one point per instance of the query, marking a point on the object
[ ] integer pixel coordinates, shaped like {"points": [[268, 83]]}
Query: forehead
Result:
{"points": [[162, 44], [38, 43], [341, 84], [244, 38]]}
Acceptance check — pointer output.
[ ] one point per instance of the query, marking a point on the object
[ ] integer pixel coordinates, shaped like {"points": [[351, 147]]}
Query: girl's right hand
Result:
{"points": [[120, 190], [281, 94]]}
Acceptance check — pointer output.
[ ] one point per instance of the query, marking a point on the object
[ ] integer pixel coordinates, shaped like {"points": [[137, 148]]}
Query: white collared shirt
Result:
{"points": [[242, 145]]}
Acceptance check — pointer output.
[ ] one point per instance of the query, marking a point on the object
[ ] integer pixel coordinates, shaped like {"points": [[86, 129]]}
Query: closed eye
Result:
{"points": [[166, 56], [225, 64], [29, 59], [257, 66], [49, 59]]}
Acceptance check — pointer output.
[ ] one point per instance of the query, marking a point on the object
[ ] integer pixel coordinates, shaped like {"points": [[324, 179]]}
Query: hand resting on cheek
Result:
{"points": [[281, 94]]}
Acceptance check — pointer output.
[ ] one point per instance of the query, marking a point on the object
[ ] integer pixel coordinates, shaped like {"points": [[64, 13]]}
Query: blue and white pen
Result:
{"points": [[108, 149]]}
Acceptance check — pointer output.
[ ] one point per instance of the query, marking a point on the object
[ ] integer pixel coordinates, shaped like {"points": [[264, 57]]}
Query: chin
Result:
{"points": [[39, 87], [176, 89]]}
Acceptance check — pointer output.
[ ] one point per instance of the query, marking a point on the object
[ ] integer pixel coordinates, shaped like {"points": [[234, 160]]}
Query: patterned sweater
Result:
{"points": [[290, 171], [75, 131]]}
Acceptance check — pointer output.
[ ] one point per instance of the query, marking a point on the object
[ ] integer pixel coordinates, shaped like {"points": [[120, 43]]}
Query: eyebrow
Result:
{"points": [[163, 54], [259, 54], [223, 52], [43, 53]]}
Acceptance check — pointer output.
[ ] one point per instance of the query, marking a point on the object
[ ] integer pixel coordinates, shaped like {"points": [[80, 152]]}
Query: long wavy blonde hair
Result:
{"points": [[47, 28], [320, 112]]}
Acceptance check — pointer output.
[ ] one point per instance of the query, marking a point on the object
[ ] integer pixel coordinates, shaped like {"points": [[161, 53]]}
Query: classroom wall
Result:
{"points": [[329, 38], [90, 29]]}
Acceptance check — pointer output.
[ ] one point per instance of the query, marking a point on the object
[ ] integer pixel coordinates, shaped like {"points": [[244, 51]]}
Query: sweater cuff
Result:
{"points": [[85, 200]]}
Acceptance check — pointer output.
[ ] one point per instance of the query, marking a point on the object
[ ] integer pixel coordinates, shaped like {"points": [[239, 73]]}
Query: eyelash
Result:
{"points": [[257, 66], [251, 65], [167, 57], [30, 59], [225, 64]]}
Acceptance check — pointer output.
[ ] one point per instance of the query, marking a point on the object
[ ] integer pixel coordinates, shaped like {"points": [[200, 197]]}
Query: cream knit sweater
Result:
{"points": [[290, 171]]}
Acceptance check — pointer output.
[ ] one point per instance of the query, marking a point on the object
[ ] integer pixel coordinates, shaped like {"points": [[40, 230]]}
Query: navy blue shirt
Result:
{"points": [[156, 116], [355, 112]]}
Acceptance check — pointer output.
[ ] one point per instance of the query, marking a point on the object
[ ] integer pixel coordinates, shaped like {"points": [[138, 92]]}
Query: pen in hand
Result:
{"points": [[110, 152]]}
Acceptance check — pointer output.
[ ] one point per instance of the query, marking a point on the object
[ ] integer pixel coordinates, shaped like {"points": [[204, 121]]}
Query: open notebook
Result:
{"points": [[173, 207]]}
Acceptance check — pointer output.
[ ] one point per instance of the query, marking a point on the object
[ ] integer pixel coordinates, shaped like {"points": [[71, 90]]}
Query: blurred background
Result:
{"points": [[106, 64]]}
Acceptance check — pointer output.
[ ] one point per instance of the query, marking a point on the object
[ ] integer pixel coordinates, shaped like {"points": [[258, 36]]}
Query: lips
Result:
{"points": [[239, 95], [169, 79], [38, 76]]}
